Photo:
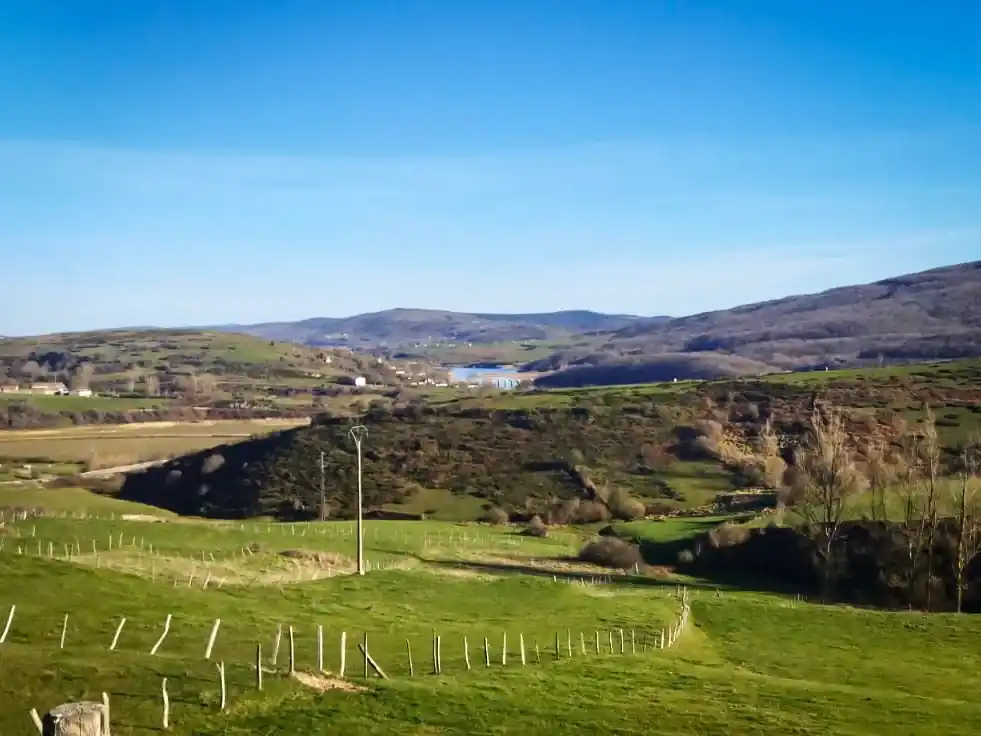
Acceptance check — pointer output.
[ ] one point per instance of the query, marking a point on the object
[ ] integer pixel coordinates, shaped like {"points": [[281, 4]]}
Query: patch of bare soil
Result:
{"points": [[322, 684]]}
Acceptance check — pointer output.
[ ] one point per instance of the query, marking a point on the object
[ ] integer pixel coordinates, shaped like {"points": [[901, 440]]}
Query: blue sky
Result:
{"points": [[217, 161]]}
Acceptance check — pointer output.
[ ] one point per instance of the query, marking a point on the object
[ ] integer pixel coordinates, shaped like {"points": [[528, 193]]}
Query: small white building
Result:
{"points": [[360, 381], [83, 392]]}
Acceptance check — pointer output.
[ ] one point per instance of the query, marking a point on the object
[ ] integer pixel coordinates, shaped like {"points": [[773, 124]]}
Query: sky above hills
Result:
{"points": [[244, 161]]}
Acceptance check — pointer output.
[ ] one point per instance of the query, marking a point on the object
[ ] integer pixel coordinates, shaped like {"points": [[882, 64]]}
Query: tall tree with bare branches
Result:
{"points": [[930, 463], [881, 476], [826, 479], [967, 501], [772, 463]]}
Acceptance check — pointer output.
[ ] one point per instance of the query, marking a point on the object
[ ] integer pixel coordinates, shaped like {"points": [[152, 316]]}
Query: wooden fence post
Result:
{"points": [[162, 636], [466, 653], [622, 650], [320, 648], [365, 650], [292, 652], [504, 649], [221, 678], [343, 652], [119, 630], [64, 630], [439, 655], [258, 666], [582, 643], [597, 643], [275, 651], [521, 647], [211, 639], [486, 653], [408, 651], [6, 629], [166, 706], [568, 642]]}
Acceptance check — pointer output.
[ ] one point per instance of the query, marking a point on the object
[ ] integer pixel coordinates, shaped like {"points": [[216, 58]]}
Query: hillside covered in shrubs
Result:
{"points": [[632, 454]]}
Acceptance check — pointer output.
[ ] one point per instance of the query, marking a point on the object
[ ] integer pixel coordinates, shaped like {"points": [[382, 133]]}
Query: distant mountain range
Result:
{"points": [[402, 327], [933, 314]]}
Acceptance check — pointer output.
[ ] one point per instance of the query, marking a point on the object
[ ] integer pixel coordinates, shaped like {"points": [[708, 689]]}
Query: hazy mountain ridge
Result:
{"points": [[409, 326], [932, 314]]}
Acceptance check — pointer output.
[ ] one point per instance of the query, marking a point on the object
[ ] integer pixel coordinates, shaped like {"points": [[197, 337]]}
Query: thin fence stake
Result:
{"points": [[466, 653], [211, 639], [365, 650], [621, 642], [408, 651], [568, 642], [504, 649], [162, 636], [292, 652], [37, 721], [597, 643], [486, 653], [166, 705], [258, 666], [64, 630], [320, 648], [276, 642], [558, 650], [221, 678], [10, 620], [343, 652], [521, 646], [611, 641], [633, 642], [119, 630], [439, 655], [582, 643]]}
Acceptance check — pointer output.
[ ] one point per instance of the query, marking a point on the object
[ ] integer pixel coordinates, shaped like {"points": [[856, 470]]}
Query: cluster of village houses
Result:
{"points": [[56, 388]]}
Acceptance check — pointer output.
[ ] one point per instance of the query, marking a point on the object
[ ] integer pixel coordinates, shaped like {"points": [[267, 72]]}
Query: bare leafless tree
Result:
{"points": [[151, 384], [825, 481], [132, 376], [82, 376], [967, 501], [930, 463], [772, 464], [881, 476]]}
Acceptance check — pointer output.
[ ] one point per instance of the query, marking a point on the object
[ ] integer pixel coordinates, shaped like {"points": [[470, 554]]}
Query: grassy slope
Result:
{"points": [[751, 664]]}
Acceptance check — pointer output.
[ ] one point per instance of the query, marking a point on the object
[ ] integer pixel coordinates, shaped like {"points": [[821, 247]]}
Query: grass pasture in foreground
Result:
{"points": [[749, 663]]}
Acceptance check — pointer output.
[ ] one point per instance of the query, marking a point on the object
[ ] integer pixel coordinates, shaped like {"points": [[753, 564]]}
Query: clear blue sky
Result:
{"points": [[174, 163]]}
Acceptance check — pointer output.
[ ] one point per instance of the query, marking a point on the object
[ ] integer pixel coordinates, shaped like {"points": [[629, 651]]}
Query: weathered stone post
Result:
{"points": [[76, 719]]}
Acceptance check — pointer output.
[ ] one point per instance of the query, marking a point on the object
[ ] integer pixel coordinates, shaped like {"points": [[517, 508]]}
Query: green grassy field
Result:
{"points": [[81, 403], [748, 663], [121, 444]]}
